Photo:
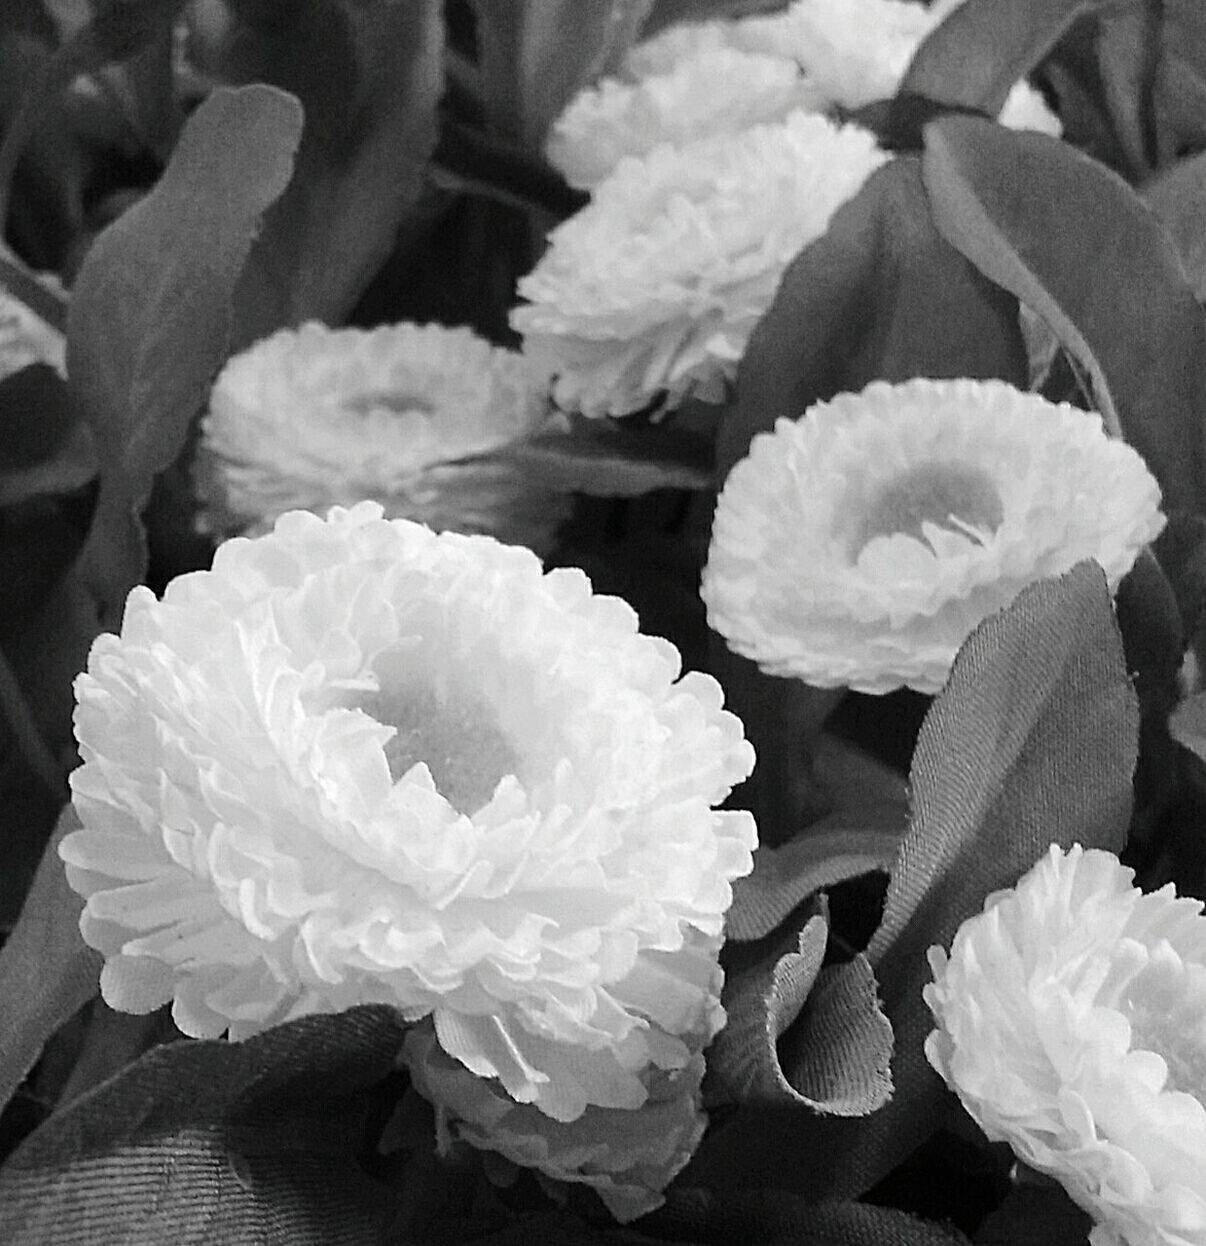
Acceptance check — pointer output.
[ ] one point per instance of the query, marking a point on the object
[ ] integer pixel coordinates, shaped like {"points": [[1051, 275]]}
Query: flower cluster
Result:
{"points": [[360, 762], [411, 416], [860, 544], [1072, 1024], [652, 290]]}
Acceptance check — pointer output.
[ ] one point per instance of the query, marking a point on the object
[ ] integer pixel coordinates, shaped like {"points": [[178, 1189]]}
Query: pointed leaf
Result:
{"points": [[839, 847], [1176, 197], [617, 463], [973, 58], [47, 972], [203, 1142], [369, 75], [150, 310], [1074, 242], [881, 295]]}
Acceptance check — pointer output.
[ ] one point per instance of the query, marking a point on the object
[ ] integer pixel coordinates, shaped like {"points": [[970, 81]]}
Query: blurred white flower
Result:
{"points": [[406, 415], [26, 338], [851, 52], [717, 91], [652, 290], [1072, 1024], [359, 762], [859, 545]]}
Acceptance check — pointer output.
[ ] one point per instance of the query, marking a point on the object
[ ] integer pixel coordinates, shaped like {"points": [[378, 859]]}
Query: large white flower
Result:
{"points": [[1072, 1024], [407, 415], [859, 545], [653, 289], [359, 762], [850, 52], [717, 91]]}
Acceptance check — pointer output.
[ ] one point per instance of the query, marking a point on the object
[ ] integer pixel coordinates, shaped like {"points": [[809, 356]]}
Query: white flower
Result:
{"points": [[359, 762], [851, 52], [407, 415], [25, 338], [859, 545], [717, 91], [653, 289], [1072, 1025]]}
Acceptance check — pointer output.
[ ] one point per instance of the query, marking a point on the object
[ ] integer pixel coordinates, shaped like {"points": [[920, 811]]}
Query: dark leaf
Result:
{"points": [[1181, 551], [880, 296], [973, 58], [1176, 197], [713, 1218], [150, 312], [1188, 724], [840, 846], [369, 76], [47, 972], [622, 462], [44, 446], [1038, 1215], [251, 1144], [1074, 242], [537, 54], [1032, 741]]}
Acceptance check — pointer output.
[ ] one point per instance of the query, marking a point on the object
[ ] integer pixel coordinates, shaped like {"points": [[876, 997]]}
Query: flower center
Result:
{"points": [[397, 402], [455, 733], [955, 496]]}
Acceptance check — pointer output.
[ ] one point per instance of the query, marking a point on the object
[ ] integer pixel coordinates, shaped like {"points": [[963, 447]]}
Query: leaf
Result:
{"points": [[116, 31], [44, 447], [1072, 241], [881, 295], [1188, 724], [1039, 1215], [369, 74], [1176, 196], [623, 462], [841, 846], [47, 972], [977, 53], [537, 54], [1181, 551], [150, 310], [202, 1142], [751, 1215], [1032, 741]]}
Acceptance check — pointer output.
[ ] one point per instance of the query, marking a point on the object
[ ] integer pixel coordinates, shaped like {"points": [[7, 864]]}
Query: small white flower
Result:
{"points": [[652, 290], [859, 545], [717, 91], [851, 52], [1071, 1021], [359, 762], [25, 338], [407, 415]]}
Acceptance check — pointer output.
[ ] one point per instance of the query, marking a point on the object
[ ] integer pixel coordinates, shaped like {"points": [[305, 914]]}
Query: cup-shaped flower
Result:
{"points": [[652, 290], [1071, 1021], [859, 545], [411, 416], [360, 762], [850, 52], [716, 91]]}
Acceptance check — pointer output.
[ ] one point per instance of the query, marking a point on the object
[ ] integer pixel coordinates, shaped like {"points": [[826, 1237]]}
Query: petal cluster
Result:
{"points": [[412, 416], [360, 762], [652, 290], [1071, 1021], [859, 545]]}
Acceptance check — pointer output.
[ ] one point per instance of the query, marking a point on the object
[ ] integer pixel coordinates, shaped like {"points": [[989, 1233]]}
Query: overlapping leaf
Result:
{"points": [[1032, 741], [1075, 243]]}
